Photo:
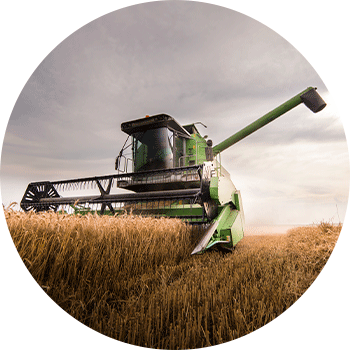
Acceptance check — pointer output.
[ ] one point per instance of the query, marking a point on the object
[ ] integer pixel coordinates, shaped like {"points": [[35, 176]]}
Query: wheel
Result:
{"points": [[36, 191]]}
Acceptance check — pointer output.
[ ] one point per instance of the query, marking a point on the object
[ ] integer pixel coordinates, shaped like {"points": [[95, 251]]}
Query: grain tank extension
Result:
{"points": [[169, 170]]}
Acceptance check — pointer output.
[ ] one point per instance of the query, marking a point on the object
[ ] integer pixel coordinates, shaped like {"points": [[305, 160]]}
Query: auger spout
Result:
{"points": [[309, 97]]}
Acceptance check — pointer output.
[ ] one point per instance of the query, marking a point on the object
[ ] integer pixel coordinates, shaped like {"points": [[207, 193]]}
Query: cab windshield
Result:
{"points": [[153, 149]]}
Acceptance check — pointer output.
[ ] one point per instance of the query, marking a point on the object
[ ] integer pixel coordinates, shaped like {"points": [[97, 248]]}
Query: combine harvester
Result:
{"points": [[171, 171]]}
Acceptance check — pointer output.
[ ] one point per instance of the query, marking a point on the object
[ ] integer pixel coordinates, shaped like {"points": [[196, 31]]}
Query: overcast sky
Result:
{"points": [[31, 29], [195, 62]]}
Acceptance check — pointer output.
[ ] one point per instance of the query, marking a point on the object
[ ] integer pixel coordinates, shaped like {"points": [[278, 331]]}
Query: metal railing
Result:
{"points": [[123, 164]]}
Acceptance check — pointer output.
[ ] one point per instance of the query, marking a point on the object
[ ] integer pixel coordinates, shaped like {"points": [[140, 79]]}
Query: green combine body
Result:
{"points": [[170, 170]]}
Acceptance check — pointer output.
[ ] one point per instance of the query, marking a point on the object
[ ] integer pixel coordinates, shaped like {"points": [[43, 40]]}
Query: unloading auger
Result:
{"points": [[170, 170]]}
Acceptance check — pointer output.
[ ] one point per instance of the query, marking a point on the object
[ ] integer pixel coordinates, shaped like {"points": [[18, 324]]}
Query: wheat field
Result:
{"points": [[133, 278]]}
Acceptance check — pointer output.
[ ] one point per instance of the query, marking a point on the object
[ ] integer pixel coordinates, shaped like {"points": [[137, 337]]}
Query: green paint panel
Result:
{"points": [[237, 232], [230, 229], [173, 211], [222, 217], [236, 201], [214, 188], [195, 150], [230, 219]]}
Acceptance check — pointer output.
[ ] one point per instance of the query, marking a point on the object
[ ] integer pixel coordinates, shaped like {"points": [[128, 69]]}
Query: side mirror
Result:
{"points": [[117, 163]]}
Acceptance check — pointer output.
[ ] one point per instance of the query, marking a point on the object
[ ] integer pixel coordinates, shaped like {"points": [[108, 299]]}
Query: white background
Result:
{"points": [[31, 29]]}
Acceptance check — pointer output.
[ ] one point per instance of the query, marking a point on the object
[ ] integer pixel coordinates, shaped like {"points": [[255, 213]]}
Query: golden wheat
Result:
{"points": [[133, 279]]}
